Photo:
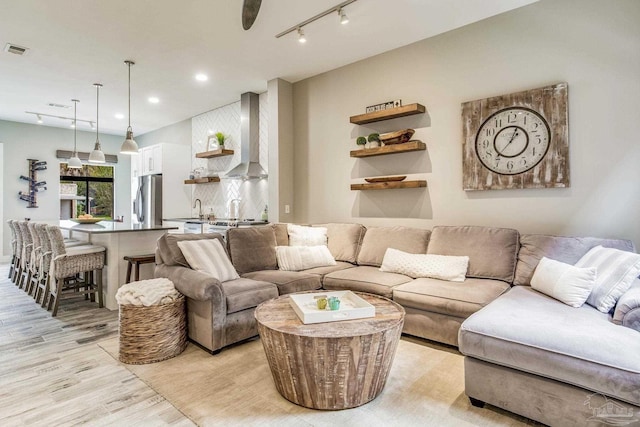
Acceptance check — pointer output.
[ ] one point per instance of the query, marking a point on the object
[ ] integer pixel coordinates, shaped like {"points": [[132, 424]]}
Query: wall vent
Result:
{"points": [[15, 49]]}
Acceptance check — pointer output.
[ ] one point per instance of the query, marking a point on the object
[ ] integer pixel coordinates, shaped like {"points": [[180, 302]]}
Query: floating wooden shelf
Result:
{"points": [[215, 153], [204, 180], [391, 113], [414, 145], [389, 185]]}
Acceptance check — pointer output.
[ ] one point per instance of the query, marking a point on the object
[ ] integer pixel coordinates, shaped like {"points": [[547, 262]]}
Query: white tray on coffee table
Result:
{"points": [[351, 307]]}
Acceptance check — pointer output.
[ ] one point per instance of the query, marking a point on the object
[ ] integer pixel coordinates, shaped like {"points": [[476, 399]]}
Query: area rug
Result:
{"points": [[425, 388]]}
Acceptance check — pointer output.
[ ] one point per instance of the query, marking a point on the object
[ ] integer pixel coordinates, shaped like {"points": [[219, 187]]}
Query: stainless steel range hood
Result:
{"points": [[249, 166]]}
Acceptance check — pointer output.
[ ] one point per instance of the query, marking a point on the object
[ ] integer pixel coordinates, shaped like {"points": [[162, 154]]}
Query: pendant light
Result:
{"points": [[97, 156], [74, 161], [129, 146]]}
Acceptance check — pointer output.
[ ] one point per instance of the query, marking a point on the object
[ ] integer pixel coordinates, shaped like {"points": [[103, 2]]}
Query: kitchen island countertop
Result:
{"points": [[111, 227]]}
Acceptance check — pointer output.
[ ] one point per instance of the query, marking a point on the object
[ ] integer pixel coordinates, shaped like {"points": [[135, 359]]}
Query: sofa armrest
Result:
{"points": [[191, 283], [627, 312]]}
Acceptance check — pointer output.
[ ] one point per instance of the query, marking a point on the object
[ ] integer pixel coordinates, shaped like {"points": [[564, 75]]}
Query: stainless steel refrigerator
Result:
{"points": [[147, 206]]}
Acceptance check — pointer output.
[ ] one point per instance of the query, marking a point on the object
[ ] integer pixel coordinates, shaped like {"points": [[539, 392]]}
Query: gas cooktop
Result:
{"points": [[229, 222]]}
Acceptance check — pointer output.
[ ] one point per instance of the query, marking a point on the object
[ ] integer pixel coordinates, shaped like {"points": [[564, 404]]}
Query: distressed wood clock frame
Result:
{"points": [[519, 140]]}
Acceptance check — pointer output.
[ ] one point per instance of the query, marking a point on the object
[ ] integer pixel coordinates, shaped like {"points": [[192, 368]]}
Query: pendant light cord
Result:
{"points": [[97, 85], [75, 123], [129, 65]]}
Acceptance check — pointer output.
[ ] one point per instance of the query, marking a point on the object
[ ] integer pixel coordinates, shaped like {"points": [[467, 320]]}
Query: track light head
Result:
{"points": [[344, 19], [39, 119], [301, 37]]}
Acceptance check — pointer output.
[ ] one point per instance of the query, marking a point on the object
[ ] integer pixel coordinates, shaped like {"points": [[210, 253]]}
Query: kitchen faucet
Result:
{"points": [[199, 203]]}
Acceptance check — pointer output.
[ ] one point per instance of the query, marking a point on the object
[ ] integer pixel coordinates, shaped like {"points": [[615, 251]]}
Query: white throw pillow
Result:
{"points": [[296, 258], [564, 282], [616, 271], [209, 257], [300, 235], [442, 267]]}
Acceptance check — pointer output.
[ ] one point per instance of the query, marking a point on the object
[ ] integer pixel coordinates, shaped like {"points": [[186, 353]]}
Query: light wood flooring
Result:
{"points": [[54, 373]]}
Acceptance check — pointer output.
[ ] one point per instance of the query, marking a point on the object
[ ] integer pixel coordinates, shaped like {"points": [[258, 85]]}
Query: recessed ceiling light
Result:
{"points": [[119, 116], [153, 100], [202, 77]]}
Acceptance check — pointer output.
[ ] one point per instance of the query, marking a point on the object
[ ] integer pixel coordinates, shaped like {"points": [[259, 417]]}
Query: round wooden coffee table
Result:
{"points": [[333, 365]]}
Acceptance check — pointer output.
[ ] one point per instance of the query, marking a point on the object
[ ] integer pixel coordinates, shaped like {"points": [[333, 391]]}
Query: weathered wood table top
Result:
{"points": [[278, 315]]}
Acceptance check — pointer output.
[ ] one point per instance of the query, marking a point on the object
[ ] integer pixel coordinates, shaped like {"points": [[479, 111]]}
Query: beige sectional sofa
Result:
{"points": [[524, 351]]}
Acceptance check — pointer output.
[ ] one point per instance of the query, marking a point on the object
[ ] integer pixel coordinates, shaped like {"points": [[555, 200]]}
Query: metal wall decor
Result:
{"points": [[35, 186]]}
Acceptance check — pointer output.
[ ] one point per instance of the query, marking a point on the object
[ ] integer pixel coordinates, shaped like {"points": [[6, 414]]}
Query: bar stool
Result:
{"points": [[14, 244], [68, 264], [17, 266], [136, 260], [27, 248]]}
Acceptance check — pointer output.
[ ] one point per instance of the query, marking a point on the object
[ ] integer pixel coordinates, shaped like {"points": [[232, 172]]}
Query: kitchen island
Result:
{"points": [[120, 239]]}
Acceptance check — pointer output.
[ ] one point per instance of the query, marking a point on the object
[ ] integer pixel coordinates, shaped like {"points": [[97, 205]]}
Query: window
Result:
{"points": [[87, 190]]}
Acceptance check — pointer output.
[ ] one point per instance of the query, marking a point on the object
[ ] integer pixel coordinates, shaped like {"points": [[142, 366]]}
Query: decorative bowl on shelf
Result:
{"points": [[398, 137], [386, 179], [87, 220]]}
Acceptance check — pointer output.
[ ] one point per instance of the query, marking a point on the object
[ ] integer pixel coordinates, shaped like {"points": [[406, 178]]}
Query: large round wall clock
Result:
{"points": [[518, 140]]}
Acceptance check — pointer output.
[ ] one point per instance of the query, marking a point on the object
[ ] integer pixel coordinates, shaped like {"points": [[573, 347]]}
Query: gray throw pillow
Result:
{"points": [[252, 248]]}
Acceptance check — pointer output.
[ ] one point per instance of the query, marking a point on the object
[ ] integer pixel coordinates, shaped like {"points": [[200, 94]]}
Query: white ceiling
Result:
{"points": [[74, 43]]}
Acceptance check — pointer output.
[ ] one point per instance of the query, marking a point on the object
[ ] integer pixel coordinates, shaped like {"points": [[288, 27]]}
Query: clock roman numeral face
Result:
{"points": [[512, 141]]}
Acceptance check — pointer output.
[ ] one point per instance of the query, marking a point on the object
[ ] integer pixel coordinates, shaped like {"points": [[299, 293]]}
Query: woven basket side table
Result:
{"points": [[152, 334]]}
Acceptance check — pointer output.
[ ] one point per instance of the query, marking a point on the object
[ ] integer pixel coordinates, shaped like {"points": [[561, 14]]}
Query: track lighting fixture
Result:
{"points": [[344, 19], [338, 8], [39, 119]]}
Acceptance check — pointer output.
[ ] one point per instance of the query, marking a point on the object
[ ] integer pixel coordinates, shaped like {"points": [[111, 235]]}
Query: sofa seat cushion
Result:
{"points": [[322, 271], [242, 293], [458, 299], [365, 279], [287, 281], [531, 332]]}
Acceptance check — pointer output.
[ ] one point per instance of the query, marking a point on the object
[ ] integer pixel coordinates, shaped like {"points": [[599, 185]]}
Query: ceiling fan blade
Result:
{"points": [[250, 9]]}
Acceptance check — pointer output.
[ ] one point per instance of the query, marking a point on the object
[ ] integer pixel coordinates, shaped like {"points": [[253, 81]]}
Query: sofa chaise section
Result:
{"points": [[533, 355]]}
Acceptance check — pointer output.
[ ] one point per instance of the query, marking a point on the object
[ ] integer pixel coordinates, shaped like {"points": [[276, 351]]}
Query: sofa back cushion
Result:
{"points": [[492, 251], [282, 234], [169, 253], [376, 240], [564, 249], [344, 240], [252, 248]]}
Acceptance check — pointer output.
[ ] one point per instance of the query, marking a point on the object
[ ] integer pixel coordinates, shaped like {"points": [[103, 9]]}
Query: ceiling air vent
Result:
{"points": [[15, 49], [53, 104]]}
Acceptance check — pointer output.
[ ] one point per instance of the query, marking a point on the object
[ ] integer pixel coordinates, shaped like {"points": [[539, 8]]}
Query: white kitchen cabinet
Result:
{"points": [[136, 165], [152, 159], [173, 161]]}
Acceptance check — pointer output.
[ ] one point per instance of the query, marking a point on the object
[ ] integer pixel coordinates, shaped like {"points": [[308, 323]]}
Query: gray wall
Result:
{"points": [[592, 45], [26, 141], [177, 133]]}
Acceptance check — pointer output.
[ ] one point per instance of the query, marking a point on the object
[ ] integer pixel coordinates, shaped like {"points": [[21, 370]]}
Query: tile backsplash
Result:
{"points": [[253, 194]]}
